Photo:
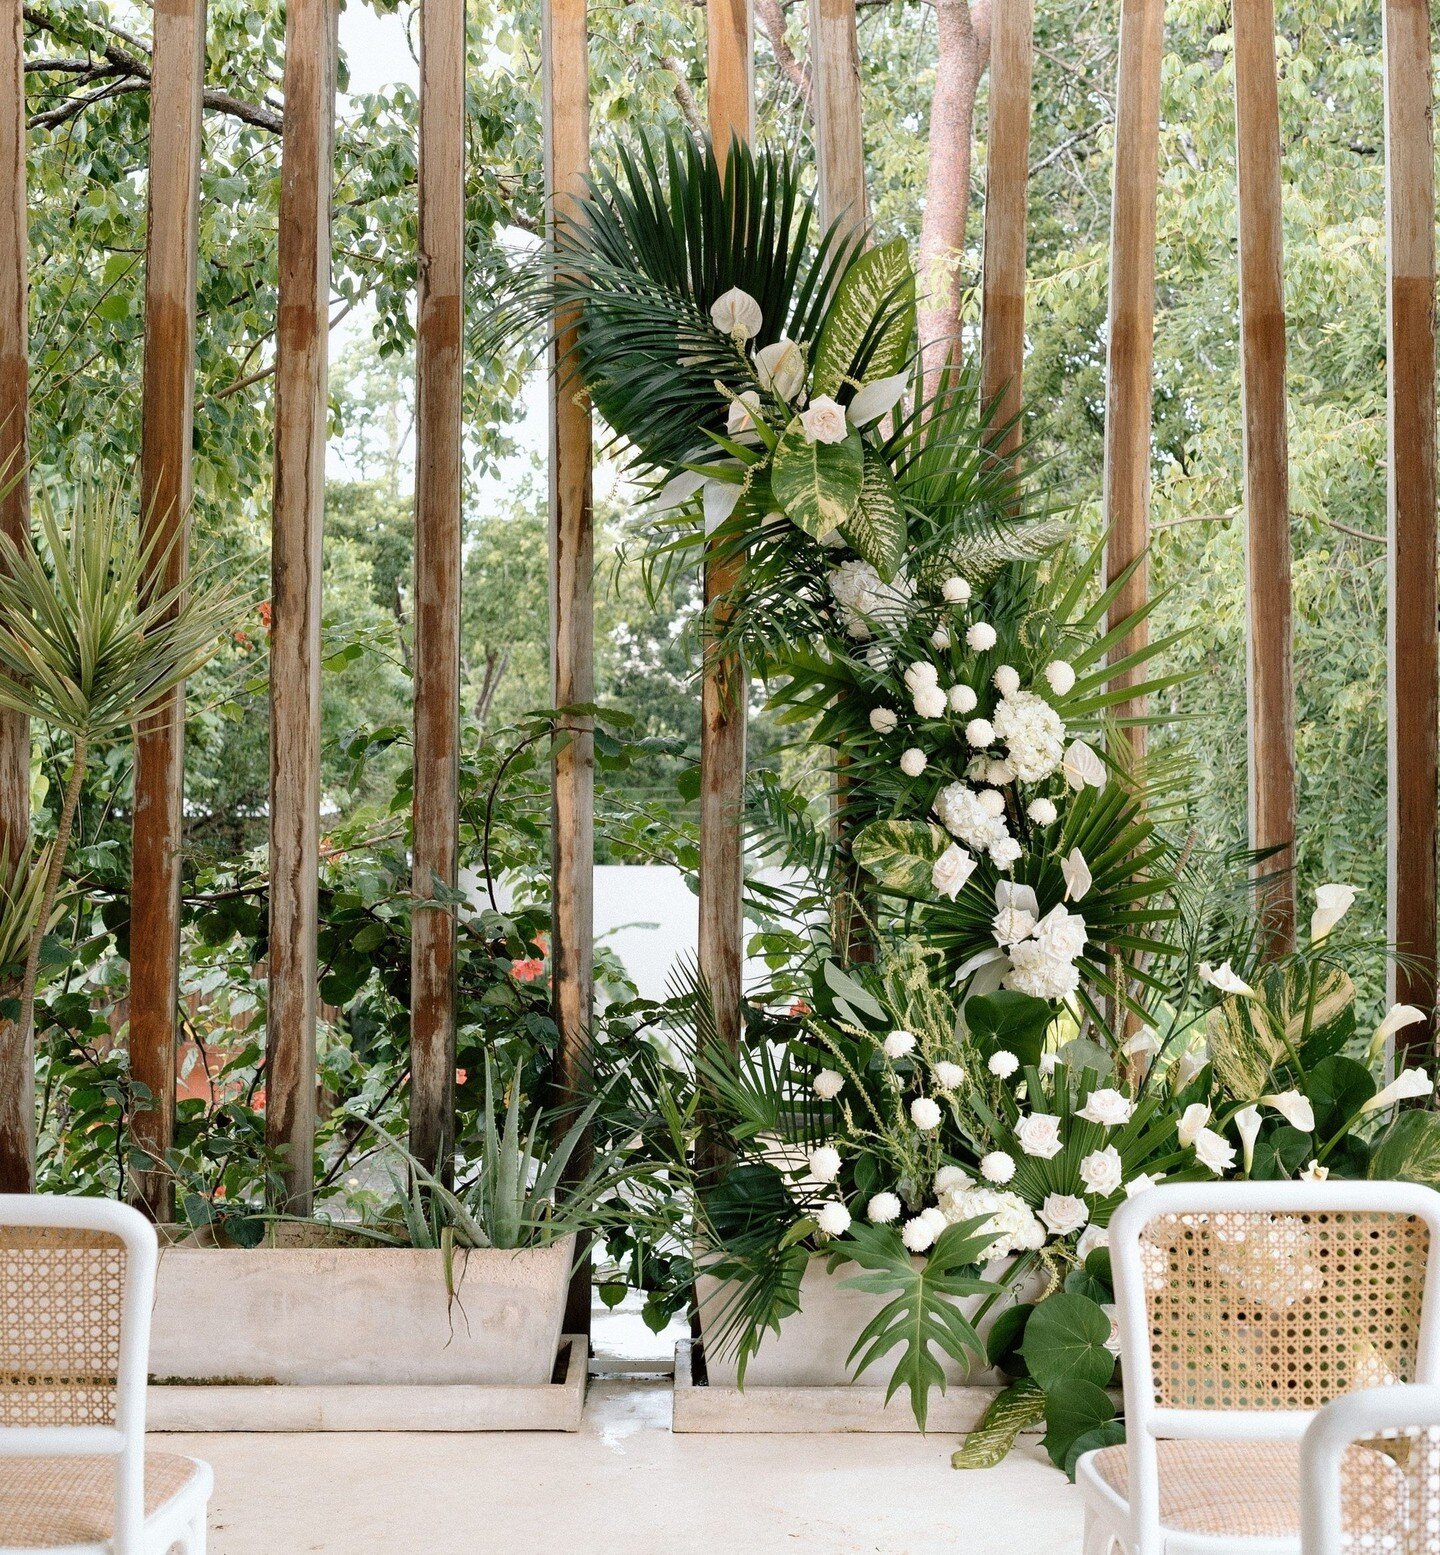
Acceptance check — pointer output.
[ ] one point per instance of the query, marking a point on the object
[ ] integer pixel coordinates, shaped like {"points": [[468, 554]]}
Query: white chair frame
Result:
{"points": [[1132, 1524], [1356, 1417], [182, 1519]]}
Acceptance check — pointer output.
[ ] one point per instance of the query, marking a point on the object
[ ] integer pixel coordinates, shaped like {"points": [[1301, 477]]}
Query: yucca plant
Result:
{"points": [[88, 645]]}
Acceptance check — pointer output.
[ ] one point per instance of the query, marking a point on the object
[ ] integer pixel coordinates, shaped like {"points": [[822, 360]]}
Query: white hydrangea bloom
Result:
{"points": [[1033, 734], [866, 600], [963, 813], [1007, 1216], [1042, 975], [1004, 852]]}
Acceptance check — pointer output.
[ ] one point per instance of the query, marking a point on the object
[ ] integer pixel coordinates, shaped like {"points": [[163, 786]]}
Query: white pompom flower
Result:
{"points": [[997, 1167], [1043, 812], [898, 1044], [940, 638], [925, 1114], [979, 733], [981, 637], [949, 1077], [1060, 676], [962, 699], [828, 1084], [1006, 680], [955, 591], [930, 702], [825, 1163], [833, 1218], [883, 1209], [917, 1234], [883, 720], [914, 761], [1003, 1064]]}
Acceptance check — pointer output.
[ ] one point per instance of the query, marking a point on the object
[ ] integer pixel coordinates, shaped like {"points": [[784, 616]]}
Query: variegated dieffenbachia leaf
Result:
{"points": [[817, 484], [1409, 1150], [1011, 1411], [868, 331], [901, 854], [979, 557], [876, 529]]}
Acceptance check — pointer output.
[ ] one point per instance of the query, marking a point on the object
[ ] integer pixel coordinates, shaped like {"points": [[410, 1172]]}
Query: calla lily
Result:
{"points": [[1294, 1108], [1332, 902], [1077, 875], [1192, 1122], [1397, 1018], [1408, 1085], [1225, 978], [737, 314], [1247, 1125], [1083, 767], [872, 400], [1188, 1065]]}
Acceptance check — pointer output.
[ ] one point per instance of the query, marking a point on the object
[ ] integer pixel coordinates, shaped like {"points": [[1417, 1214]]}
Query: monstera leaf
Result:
{"points": [[817, 484], [900, 854], [867, 332], [876, 529]]}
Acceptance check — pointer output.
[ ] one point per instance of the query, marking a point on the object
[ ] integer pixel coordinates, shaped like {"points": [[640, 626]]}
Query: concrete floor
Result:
{"points": [[625, 1484]]}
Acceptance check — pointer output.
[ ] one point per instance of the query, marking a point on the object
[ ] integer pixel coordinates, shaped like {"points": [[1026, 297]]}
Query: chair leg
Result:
{"points": [[1099, 1540], [196, 1545]]}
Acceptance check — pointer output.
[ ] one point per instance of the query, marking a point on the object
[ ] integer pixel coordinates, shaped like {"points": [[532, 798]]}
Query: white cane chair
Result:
{"points": [[1243, 1309], [77, 1282], [1396, 1507]]}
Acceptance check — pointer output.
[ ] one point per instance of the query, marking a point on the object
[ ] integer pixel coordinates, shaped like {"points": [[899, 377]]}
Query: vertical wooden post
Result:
{"points": [[1411, 618], [1131, 336], [17, 1059], [1267, 478], [439, 335], [723, 683], [566, 54], [839, 121], [176, 84], [301, 397], [1002, 320]]}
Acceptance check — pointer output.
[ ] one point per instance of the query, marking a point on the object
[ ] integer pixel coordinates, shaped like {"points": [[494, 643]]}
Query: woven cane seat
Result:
{"points": [[1252, 1489], [47, 1503]]}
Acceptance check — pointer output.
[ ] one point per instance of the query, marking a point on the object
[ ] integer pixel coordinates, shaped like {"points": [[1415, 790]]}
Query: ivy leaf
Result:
{"points": [[877, 526], [922, 1319], [1016, 1022], [900, 854], [867, 332], [1065, 1341], [1338, 1087], [817, 484], [1011, 1411], [1409, 1150]]}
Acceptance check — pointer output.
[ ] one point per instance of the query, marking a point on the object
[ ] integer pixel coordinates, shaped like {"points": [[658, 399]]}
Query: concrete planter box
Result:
{"points": [[813, 1344], [259, 1337]]}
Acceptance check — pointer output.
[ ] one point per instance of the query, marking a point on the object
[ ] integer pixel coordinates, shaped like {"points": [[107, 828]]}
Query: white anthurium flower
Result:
{"points": [[873, 400], [1022, 898], [824, 421], [737, 314], [951, 870], [740, 418], [679, 488], [781, 368], [1077, 875], [1408, 1085], [1247, 1124], [1082, 767], [1294, 1108], [1144, 1045], [1397, 1018], [1192, 1121], [1226, 979], [721, 500], [1332, 902]]}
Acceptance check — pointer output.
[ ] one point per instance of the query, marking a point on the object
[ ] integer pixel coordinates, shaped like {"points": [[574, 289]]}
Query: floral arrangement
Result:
{"points": [[1030, 1034]]}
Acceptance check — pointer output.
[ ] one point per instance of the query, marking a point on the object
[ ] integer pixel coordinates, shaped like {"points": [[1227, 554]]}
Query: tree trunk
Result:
{"points": [[964, 48]]}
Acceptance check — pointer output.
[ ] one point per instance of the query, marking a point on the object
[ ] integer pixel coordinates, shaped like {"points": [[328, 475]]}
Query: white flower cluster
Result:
{"points": [[866, 600], [1043, 951], [1033, 734], [1008, 1216]]}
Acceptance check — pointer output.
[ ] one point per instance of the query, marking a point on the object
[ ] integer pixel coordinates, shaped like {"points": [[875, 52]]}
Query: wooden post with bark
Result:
{"points": [[1002, 318], [17, 1053], [176, 84], [1131, 335], [301, 398], [1266, 455], [439, 366], [723, 684], [572, 630], [1413, 649]]}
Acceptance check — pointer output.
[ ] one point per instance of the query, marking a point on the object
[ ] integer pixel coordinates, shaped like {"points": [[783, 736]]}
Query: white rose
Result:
{"points": [[1112, 1344], [781, 368], [825, 1163], [913, 762], [833, 1219], [1004, 852], [883, 720], [737, 314], [919, 675], [1039, 1135], [1063, 1213], [742, 413], [1332, 902], [1225, 978], [1011, 925], [824, 421], [962, 699], [883, 1209], [1107, 1107], [1082, 766], [955, 591], [828, 1084], [948, 1076], [1061, 677], [1043, 812], [980, 732], [924, 1114], [1006, 680], [997, 1167], [1092, 1239], [917, 1234], [1138, 1184], [1003, 1064], [930, 702], [1101, 1171], [898, 1044], [981, 637], [1213, 1151], [1077, 875], [951, 870], [1295, 1108], [1061, 934], [1192, 1120]]}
